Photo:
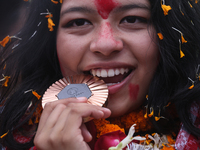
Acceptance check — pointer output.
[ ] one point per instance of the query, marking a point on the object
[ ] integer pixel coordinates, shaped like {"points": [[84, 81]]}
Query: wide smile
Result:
{"points": [[115, 78]]}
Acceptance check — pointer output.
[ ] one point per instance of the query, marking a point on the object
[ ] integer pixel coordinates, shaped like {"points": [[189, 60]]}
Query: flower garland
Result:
{"points": [[123, 123]]}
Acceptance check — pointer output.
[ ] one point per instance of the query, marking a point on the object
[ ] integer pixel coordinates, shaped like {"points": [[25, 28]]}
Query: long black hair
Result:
{"points": [[175, 74], [32, 64]]}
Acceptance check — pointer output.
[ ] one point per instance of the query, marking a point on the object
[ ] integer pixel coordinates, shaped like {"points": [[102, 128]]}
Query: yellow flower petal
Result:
{"points": [[50, 24], [157, 118], [145, 116], [166, 9], [181, 54]]}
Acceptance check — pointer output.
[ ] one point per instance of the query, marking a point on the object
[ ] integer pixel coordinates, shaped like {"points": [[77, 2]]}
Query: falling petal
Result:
{"points": [[181, 54], [4, 67], [5, 41], [55, 2], [166, 9], [191, 87], [151, 114], [157, 118], [6, 78], [4, 135], [145, 116], [160, 36], [183, 40], [50, 24], [36, 95]]}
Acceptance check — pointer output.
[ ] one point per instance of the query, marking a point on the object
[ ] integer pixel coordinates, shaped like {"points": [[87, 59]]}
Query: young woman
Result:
{"points": [[138, 47]]}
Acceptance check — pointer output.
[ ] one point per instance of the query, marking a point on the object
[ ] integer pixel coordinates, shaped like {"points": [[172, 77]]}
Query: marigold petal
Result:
{"points": [[160, 36], [181, 54], [157, 118], [36, 95], [151, 114], [183, 40], [55, 2], [166, 9], [2, 136], [191, 87], [6, 78], [5, 41], [50, 24]]}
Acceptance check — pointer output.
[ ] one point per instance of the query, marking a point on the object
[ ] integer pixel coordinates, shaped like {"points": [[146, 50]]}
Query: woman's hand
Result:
{"points": [[61, 125]]}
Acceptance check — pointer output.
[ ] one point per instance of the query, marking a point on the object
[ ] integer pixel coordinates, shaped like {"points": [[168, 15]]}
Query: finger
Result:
{"points": [[79, 111], [49, 107], [86, 134]]}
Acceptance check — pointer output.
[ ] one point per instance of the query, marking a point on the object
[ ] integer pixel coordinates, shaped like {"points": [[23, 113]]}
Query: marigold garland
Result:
{"points": [[123, 123]]}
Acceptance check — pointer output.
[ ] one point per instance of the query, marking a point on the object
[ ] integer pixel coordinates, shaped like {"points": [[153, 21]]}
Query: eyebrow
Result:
{"points": [[130, 6], [122, 8], [78, 9]]}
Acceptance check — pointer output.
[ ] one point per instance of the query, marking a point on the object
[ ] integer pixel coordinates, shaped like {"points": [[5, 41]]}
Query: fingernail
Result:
{"points": [[82, 98]]}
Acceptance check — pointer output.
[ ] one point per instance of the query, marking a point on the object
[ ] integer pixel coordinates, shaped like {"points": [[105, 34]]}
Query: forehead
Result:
{"points": [[102, 6]]}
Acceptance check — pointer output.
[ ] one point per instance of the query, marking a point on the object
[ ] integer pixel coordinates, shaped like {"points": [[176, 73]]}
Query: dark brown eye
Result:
{"points": [[133, 19], [77, 22]]}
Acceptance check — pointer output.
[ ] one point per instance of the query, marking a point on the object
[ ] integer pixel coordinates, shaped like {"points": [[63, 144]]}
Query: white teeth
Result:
{"points": [[104, 73], [117, 72], [109, 84], [98, 73], [109, 72]]}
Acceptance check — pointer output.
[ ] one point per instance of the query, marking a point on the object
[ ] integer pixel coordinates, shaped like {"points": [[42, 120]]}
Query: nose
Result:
{"points": [[106, 41]]}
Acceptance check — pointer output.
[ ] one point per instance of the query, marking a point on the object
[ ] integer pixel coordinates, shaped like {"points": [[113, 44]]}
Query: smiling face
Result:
{"points": [[110, 39]]}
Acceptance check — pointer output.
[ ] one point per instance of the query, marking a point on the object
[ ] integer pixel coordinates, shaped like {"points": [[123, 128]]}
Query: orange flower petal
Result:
{"points": [[181, 54], [50, 24], [4, 67], [4, 135], [160, 36], [5, 41], [49, 16], [145, 116], [157, 118], [151, 114], [183, 40], [61, 1], [191, 87], [55, 2], [166, 9], [36, 95], [6, 78]]}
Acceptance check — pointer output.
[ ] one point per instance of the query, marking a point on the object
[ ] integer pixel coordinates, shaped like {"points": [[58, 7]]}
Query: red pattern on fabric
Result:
{"points": [[186, 141]]}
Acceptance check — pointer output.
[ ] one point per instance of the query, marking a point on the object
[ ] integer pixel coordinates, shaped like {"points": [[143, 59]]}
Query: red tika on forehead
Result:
{"points": [[105, 7]]}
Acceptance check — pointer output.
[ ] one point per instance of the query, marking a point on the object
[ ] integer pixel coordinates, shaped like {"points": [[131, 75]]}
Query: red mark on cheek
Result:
{"points": [[133, 91], [104, 7]]}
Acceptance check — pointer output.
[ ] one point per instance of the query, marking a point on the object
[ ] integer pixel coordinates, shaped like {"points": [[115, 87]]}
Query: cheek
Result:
{"points": [[133, 91]]}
